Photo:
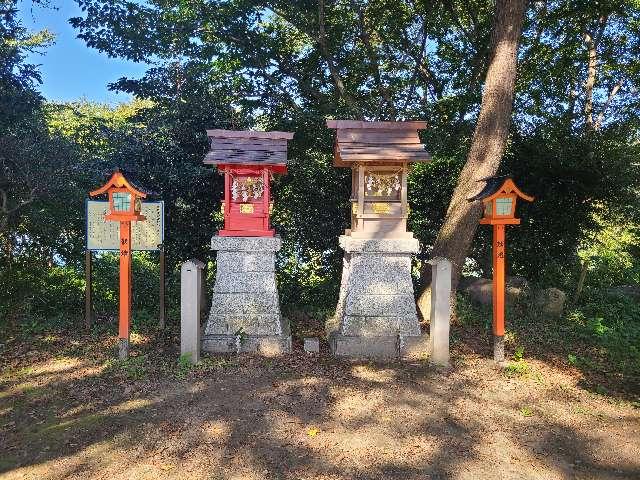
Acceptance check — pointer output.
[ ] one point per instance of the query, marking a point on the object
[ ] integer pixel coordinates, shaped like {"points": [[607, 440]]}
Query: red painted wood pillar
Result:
{"points": [[124, 321], [266, 197], [499, 255], [227, 198]]}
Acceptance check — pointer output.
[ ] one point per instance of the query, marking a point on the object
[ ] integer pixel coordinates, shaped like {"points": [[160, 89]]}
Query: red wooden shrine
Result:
{"points": [[499, 197], [125, 205], [248, 161]]}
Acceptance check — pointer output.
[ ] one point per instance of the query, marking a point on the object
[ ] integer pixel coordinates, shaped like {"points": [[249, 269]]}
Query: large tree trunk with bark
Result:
{"points": [[487, 146]]}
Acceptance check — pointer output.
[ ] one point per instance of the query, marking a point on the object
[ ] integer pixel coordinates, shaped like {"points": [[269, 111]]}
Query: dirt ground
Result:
{"points": [[68, 411]]}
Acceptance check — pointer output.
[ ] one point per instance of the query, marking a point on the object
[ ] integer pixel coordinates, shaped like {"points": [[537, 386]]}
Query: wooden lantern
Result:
{"points": [[379, 154], [125, 205], [125, 200], [499, 197], [248, 161]]}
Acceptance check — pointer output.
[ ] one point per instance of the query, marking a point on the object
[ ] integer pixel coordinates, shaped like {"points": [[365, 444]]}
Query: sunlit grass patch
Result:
{"points": [[526, 411], [517, 369]]}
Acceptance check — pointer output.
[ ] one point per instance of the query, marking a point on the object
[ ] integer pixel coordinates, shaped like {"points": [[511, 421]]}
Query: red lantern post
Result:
{"points": [[125, 204], [499, 197]]}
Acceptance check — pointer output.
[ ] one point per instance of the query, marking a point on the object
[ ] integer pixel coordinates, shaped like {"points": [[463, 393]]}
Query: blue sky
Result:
{"points": [[71, 70]]}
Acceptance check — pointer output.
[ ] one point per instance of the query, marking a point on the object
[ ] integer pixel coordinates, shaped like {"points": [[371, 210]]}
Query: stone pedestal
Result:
{"points": [[376, 313], [245, 311]]}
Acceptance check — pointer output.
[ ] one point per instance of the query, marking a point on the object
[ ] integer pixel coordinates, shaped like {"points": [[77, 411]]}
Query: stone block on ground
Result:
{"points": [[481, 290], [551, 301], [379, 348], [312, 345]]}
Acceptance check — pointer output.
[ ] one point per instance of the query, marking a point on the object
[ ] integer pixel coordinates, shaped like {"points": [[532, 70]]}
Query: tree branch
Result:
{"points": [[324, 51], [592, 40], [373, 59], [614, 91]]}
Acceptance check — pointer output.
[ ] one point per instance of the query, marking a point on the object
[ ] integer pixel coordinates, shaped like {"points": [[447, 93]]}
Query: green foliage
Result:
{"points": [[470, 314], [133, 368], [612, 253], [526, 411], [518, 355], [517, 368], [184, 365], [612, 324]]}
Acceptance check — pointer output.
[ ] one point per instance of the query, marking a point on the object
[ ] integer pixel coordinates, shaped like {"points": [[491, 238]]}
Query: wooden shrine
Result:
{"points": [[499, 197], [378, 154], [248, 161]]}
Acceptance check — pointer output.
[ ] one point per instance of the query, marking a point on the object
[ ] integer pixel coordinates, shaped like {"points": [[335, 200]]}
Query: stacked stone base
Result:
{"points": [[263, 345], [381, 348], [245, 311], [376, 315]]}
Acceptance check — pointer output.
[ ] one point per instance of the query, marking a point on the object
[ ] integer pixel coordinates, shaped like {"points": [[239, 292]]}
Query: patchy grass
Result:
{"points": [[600, 337]]}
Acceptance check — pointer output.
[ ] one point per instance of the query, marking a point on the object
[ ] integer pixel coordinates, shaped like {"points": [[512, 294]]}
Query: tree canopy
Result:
{"points": [[289, 66]]}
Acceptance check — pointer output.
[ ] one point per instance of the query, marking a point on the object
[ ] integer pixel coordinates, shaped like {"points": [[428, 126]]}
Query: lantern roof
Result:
{"points": [[499, 185], [120, 179], [247, 147], [360, 141]]}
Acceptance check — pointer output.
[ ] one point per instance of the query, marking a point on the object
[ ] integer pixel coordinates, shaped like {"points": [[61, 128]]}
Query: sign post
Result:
{"points": [[163, 310], [124, 319], [499, 199], [88, 304], [125, 205]]}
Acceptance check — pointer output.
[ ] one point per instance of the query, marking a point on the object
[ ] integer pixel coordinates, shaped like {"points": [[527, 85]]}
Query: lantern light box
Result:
{"points": [[499, 197], [248, 160], [125, 199], [378, 154]]}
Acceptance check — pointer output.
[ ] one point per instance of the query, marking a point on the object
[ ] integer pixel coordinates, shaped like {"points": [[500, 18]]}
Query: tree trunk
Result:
{"points": [[487, 146]]}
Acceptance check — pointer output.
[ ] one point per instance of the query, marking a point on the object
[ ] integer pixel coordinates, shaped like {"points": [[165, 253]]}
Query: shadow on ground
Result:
{"points": [[303, 417]]}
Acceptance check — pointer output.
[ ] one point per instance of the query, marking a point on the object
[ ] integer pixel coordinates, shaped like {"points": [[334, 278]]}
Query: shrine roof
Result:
{"points": [[247, 147], [360, 141], [497, 185], [121, 178]]}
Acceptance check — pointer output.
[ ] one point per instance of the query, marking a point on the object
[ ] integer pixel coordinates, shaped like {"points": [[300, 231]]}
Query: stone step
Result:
{"points": [[380, 326]]}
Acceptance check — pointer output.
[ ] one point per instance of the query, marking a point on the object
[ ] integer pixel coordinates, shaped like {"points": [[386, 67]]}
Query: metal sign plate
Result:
{"points": [[105, 234], [381, 208]]}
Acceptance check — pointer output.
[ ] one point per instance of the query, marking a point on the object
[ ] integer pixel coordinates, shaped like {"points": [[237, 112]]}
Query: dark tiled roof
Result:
{"points": [[247, 147], [492, 186]]}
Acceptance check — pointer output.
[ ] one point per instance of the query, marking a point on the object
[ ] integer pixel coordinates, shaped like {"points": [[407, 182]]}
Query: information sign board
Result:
{"points": [[105, 234]]}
